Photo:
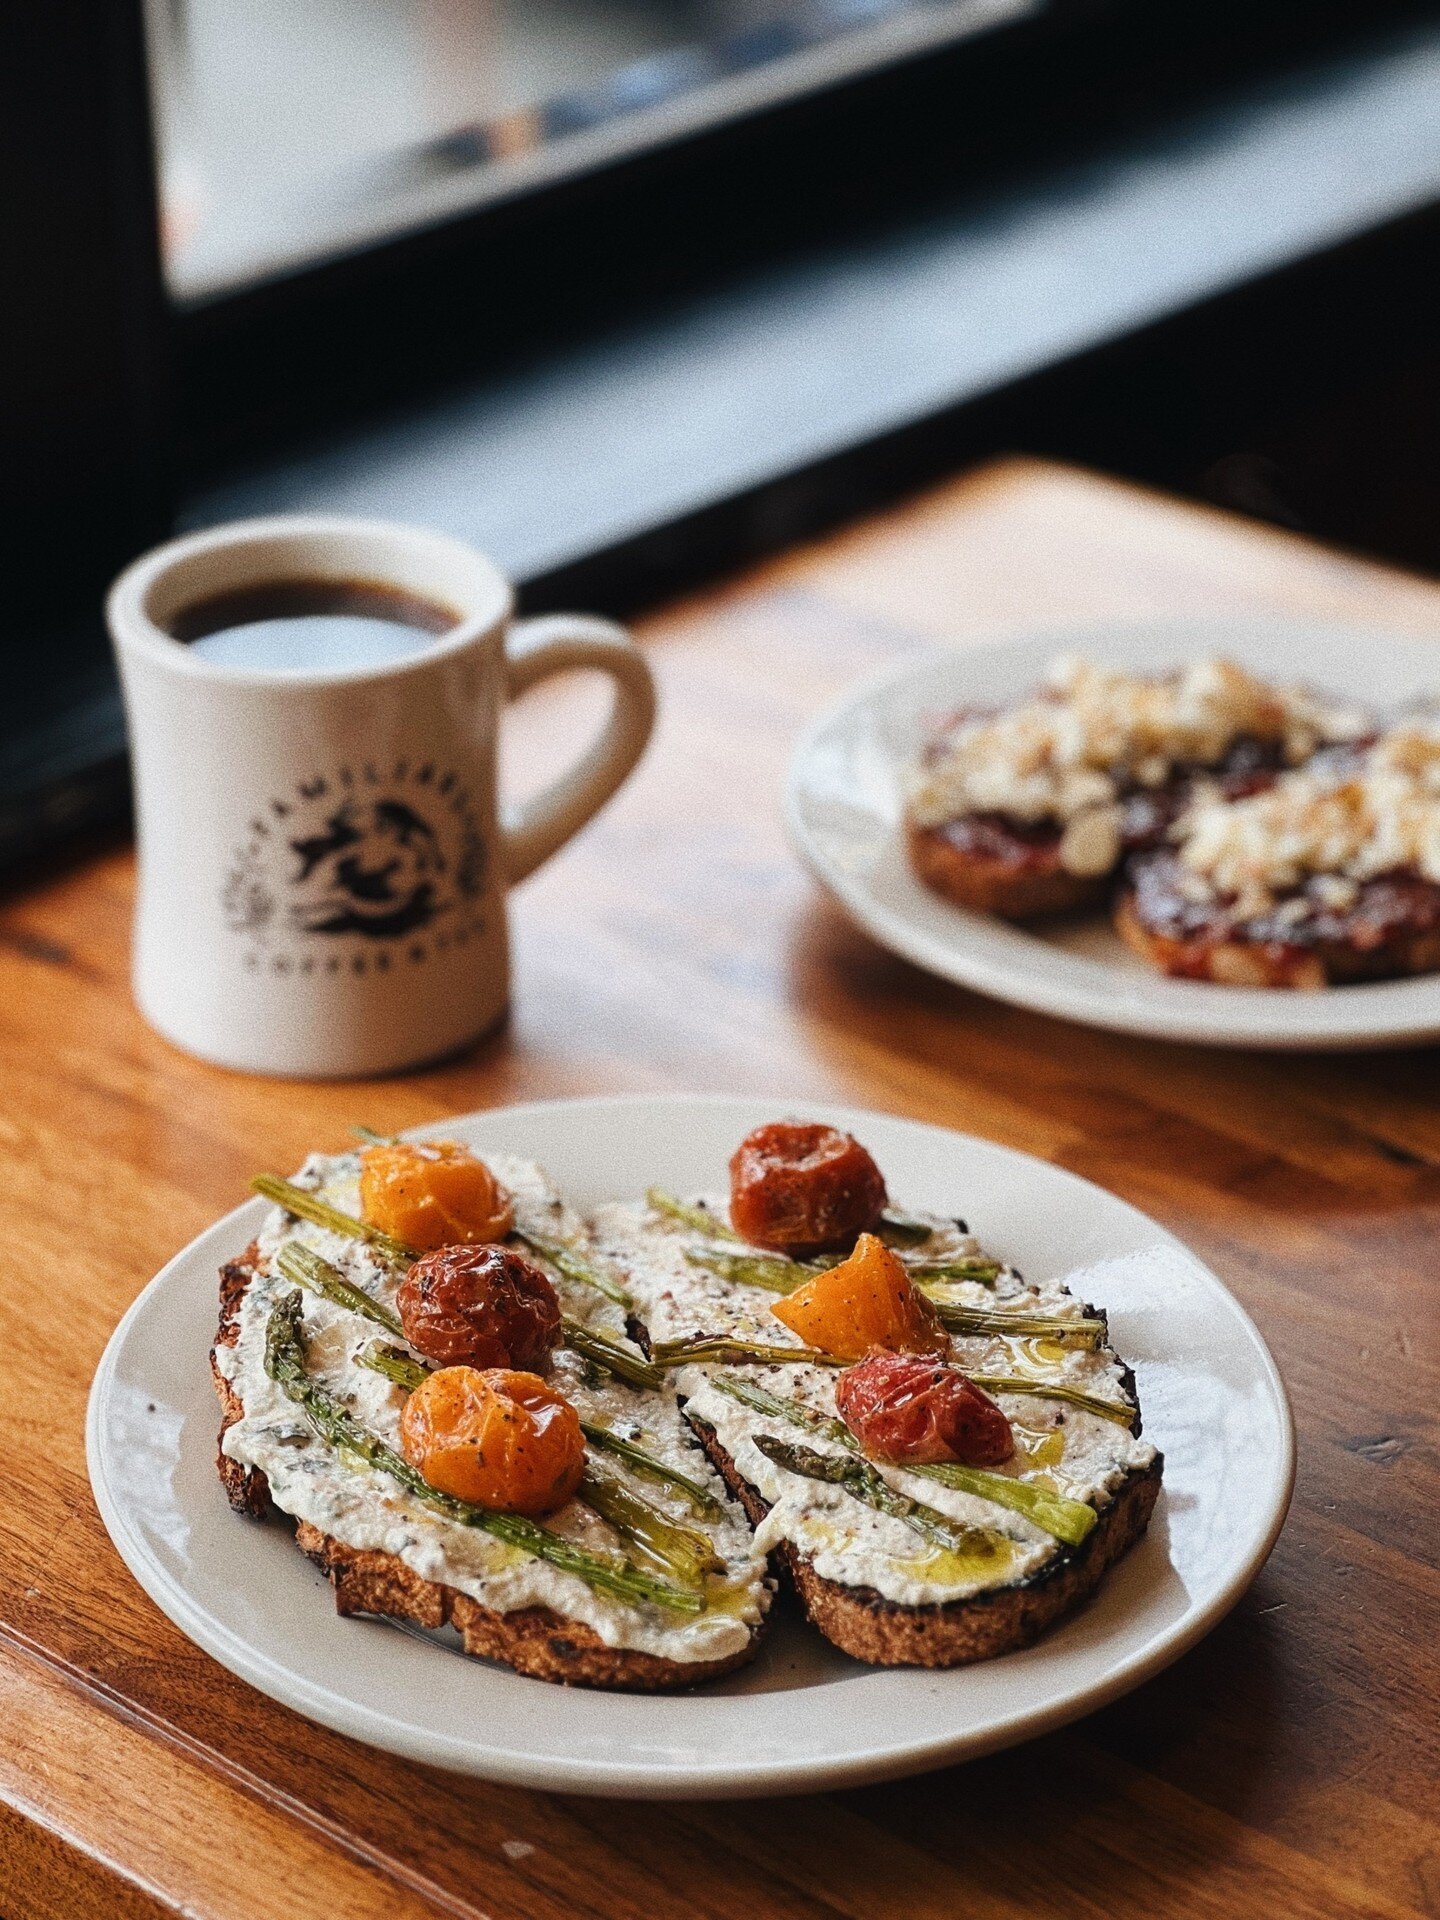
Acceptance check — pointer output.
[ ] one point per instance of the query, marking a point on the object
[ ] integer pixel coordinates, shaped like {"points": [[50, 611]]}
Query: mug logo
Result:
{"points": [[357, 869]]}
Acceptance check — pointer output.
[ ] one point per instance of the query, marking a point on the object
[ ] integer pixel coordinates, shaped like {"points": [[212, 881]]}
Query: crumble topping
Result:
{"points": [[1093, 733], [1327, 829]]}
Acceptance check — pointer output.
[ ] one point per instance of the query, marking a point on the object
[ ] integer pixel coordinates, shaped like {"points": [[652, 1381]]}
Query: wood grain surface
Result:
{"points": [[1286, 1766]]}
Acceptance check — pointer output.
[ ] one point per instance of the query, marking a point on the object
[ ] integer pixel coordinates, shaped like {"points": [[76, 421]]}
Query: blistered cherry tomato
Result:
{"points": [[504, 1440], [433, 1193], [479, 1307], [803, 1188], [866, 1301], [901, 1407]]}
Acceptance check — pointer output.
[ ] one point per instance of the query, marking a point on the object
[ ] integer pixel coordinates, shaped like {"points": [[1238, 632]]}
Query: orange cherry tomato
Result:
{"points": [[483, 1306], [867, 1301], [500, 1439], [803, 1188], [902, 1406], [433, 1193]]}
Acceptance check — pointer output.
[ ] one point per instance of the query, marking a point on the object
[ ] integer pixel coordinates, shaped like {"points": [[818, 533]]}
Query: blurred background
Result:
{"points": [[290, 131], [632, 291]]}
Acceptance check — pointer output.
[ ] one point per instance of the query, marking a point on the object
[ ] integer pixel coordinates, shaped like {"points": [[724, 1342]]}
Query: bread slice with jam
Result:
{"points": [[1331, 875], [1031, 809]]}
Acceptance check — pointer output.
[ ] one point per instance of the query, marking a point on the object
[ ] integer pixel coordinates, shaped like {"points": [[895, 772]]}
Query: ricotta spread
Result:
{"points": [[364, 1508], [1070, 1451], [1092, 734], [1337, 828]]}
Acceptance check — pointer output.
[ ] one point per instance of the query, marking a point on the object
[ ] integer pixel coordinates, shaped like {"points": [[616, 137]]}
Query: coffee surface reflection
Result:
{"points": [[312, 626]]}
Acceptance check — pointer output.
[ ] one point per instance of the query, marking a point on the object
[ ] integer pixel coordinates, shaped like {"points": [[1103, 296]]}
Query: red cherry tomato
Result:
{"points": [[903, 1407], [481, 1306], [803, 1188]]}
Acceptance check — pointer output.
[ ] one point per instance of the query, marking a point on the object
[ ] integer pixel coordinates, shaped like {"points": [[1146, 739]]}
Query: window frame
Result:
{"points": [[117, 400]]}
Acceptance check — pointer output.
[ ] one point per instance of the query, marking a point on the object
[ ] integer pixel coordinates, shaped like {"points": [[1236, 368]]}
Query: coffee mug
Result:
{"points": [[323, 861]]}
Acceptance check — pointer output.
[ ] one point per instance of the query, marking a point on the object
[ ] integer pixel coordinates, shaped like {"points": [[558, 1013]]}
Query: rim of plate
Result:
{"points": [[1007, 961], [641, 1779]]}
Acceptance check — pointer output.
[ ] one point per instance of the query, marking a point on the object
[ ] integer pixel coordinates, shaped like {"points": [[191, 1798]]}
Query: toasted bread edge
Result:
{"points": [[863, 1623], [991, 886], [1253, 963]]}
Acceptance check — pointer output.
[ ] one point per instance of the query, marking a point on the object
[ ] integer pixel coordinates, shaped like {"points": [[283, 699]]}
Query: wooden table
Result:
{"points": [[1287, 1766]]}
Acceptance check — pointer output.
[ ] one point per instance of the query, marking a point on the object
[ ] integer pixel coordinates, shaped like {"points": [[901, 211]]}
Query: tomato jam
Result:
{"points": [[1390, 926]]}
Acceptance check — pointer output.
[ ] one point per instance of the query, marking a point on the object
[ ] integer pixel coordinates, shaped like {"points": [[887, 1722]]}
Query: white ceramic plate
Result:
{"points": [[1210, 1394], [843, 809]]}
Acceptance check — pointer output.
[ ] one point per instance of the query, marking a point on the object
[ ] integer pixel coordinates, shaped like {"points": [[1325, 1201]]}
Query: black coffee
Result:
{"points": [[313, 626]]}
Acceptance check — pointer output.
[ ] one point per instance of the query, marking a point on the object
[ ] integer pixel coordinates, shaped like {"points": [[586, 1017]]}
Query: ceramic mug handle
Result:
{"points": [[560, 643]]}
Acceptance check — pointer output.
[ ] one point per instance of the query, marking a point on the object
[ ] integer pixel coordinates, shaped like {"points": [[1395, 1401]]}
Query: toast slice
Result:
{"points": [[864, 1577], [1331, 875], [387, 1554]]}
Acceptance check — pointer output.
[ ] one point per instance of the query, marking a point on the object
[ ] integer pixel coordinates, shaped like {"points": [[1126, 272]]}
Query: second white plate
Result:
{"points": [[803, 1716], [843, 808]]}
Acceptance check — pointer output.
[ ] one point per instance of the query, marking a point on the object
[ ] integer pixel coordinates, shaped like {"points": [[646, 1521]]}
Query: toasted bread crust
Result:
{"points": [[1003, 887], [863, 1623], [1231, 962], [533, 1640], [247, 1490]]}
